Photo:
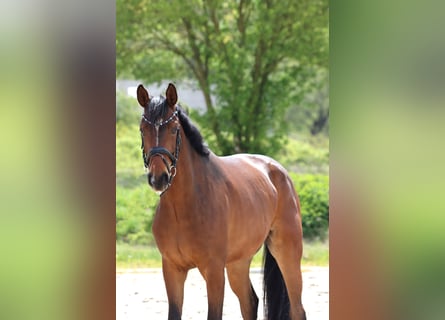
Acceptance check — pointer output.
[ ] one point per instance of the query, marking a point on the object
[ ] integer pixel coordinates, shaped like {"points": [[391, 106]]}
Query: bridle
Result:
{"points": [[158, 151]]}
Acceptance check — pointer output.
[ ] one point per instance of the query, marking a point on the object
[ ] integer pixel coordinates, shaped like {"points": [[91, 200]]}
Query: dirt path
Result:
{"points": [[140, 295]]}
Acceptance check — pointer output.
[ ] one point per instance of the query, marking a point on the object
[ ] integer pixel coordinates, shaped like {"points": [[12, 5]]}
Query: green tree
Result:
{"points": [[256, 57], [126, 113], [310, 113]]}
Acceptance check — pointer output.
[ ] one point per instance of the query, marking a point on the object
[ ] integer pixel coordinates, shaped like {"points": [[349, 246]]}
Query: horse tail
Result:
{"points": [[276, 299]]}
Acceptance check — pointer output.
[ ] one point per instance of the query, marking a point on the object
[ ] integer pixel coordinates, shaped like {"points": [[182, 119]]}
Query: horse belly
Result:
{"points": [[252, 202], [248, 229]]}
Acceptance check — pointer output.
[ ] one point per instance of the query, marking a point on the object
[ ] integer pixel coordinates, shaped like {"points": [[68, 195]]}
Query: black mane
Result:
{"points": [[158, 108], [192, 133]]}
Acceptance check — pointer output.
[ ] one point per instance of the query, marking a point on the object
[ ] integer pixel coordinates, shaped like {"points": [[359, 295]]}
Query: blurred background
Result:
{"points": [[387, 244], [60, 169], [57, 163], [253, 76]]}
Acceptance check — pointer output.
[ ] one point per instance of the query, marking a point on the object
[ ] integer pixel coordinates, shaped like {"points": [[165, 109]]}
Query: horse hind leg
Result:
{"points": [[286, 249], [238, 274]]}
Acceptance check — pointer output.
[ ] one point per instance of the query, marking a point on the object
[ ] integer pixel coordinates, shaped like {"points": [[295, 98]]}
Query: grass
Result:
{"points": [[137, 256], [315, 253]]}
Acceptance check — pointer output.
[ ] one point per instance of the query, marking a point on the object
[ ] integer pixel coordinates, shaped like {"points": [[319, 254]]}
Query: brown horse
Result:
{"points": [[216, 212]]}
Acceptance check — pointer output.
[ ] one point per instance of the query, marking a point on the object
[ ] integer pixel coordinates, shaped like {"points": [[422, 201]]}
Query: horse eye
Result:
{"points": [[173, 130]]}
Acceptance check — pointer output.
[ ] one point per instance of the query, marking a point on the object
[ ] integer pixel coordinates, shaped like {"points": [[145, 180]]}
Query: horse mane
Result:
{"points": [[192, 133], [158, 108]]}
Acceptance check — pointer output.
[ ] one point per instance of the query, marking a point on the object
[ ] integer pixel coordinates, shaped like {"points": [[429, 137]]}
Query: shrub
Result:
{"points": [[313, 191], [128, 111], [305, 155], [134, 214]]}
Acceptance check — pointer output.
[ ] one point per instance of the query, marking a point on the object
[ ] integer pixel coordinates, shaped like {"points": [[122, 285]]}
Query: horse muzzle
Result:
{"points": [[159, 183]]}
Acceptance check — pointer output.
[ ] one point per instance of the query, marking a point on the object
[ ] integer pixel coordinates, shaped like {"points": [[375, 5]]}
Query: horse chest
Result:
{"points": [[185, 238], [167, 232]]}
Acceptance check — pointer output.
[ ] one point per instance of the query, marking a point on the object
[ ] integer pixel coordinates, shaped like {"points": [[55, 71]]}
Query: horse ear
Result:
{"points": [[172, 96], [143, 97]]}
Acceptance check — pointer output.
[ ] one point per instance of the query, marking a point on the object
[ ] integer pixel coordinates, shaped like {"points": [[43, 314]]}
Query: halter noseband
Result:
{"points": [[161, 151]]}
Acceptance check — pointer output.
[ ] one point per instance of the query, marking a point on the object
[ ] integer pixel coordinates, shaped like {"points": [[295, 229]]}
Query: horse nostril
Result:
{"points": [[164, 179], [150, 179], [158, 182]]}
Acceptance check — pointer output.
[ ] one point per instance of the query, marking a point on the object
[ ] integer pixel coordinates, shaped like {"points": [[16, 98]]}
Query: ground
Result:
{"points": [[140, 295]]}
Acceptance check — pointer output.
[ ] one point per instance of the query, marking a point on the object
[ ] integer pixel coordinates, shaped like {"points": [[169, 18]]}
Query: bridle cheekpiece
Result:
{"points": [[161, 151]]}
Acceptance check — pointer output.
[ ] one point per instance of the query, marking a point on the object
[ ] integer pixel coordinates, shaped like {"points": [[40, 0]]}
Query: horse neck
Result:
{"points": [[190, 165]]}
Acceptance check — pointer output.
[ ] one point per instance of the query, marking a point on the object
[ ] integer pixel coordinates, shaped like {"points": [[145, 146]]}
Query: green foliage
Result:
{"points": [[309, 109], [135, 202], [134, 214], [127, 111], [313, 191], [305, 155], [256, 58]]}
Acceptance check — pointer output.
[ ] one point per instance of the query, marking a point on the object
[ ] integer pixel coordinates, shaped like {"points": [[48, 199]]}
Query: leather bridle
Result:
{"points": [[162, 152]]}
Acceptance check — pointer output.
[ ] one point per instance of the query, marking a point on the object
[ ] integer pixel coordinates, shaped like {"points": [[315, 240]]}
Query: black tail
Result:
{"points": [[276, 299]]}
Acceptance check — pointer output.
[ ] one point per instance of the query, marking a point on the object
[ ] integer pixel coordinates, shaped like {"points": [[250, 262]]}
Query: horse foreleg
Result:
{"points": [[174, 279], [238, 274], [214, 277]]}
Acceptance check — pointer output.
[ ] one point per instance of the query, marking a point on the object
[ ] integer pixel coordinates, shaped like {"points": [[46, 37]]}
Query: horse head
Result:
{"points": [[161, 138]]}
